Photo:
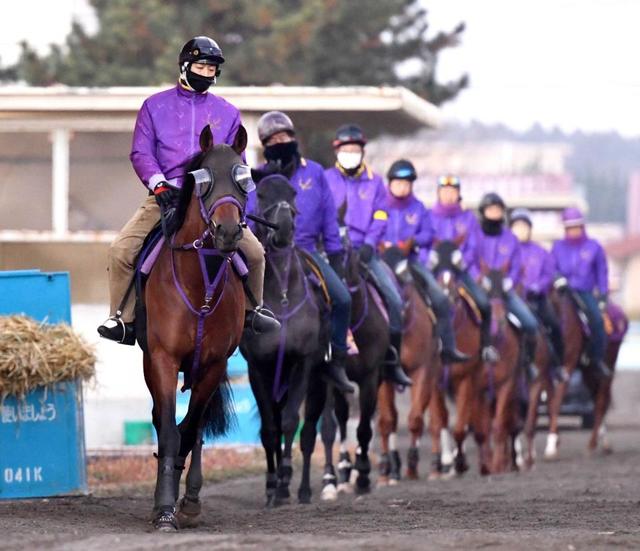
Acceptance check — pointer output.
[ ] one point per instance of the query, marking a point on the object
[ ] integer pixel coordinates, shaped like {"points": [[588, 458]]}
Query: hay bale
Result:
{"points": [[34, 354]]}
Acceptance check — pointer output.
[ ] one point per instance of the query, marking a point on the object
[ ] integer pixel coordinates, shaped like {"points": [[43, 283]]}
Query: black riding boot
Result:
{"points": [[261, 320], [392, 368], [336, 371], [117, 330]]}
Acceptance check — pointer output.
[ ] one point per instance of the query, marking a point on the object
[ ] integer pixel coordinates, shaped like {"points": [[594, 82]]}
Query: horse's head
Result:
{"points": [[496, 284], [445, 260], [220, 181], [276, 204]]}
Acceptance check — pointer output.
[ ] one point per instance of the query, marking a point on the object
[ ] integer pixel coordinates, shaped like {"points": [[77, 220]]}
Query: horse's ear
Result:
{"points": [[436, 242], [240, 141], [206, 139], [505, 267], [459, 240]]}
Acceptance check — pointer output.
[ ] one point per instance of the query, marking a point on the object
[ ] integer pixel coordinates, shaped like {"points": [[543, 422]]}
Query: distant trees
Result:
{"points": [[293, 42]]}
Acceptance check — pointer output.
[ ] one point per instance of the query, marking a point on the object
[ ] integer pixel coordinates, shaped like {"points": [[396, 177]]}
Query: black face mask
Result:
{"points": [[283, 153], [198, 82], [491, 227]]}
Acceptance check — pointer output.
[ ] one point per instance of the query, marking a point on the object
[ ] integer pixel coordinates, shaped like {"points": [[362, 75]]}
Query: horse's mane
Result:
{"points": [[187, 186]]}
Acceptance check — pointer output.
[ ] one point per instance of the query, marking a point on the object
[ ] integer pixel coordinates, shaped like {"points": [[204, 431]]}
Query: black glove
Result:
{"points": [[336, 261], [366, 253], [167, 199]]}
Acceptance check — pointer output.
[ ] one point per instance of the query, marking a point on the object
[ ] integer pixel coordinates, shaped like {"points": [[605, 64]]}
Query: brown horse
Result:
{"points": [[371, 334], [542, 382], [575, 351], [420, 360], [194, 325], [498, 397], [462, 378]]}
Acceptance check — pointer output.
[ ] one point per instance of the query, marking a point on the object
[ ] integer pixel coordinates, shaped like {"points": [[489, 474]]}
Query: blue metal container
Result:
{"points": [[41, 437]]}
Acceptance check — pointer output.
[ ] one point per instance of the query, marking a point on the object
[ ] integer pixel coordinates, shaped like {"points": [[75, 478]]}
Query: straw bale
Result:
{"points": [[34, 354]]}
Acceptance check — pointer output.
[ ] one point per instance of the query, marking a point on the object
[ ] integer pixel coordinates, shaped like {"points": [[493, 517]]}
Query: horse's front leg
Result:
{"points": [[161, 376], [368, 394], [420, 397], [316, 397], [290, 417], [387, 422]]}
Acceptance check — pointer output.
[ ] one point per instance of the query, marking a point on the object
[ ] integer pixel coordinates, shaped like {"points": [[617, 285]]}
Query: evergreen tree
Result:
{"points": [[292, 42]]}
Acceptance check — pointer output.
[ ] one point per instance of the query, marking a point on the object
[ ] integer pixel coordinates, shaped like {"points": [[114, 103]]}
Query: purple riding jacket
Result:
{"points": [[450, 222], [409, 219], [366, 204], [538, 268], [499, 252], [167, 132], [316, 217], [583, 262]]}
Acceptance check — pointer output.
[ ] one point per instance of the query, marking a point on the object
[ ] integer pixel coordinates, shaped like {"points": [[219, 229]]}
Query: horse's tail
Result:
{"points": [[220, 416]]}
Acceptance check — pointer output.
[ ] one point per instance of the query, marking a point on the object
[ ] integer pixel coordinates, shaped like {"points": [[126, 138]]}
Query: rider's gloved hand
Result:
{"points": [[336, 261], [166, 196], [366, 253], [167, 199], [602, 303]]}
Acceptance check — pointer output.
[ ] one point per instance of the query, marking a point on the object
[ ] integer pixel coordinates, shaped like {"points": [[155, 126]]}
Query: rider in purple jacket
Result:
{"points": [[316, 221], [409, 228], [453, 223], [538, 273], [582, 263], [165, 139], [499, 249], [361, 198]]}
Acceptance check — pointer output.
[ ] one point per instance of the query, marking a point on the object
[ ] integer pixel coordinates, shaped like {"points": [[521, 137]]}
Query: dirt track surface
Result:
{"points": [[577, 502]]}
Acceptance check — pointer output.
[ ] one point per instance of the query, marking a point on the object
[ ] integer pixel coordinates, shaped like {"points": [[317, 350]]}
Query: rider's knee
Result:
{"points": [[121, 253]]}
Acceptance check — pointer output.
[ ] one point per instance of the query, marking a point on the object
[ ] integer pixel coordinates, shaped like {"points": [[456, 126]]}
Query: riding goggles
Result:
{"points": [[452, 181], [240, 174]]}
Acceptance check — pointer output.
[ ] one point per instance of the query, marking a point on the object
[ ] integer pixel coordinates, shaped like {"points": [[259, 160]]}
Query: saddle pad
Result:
{"points": [[471, 305]]}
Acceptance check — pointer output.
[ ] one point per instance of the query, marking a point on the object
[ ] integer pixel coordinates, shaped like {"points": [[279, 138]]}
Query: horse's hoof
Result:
{"points": [[329, 493], [485, 471], [282, 493], [189, 512], [345, 488], [434, 475], [551, 449], [383, 481], [412, 474], [271, 501], [363, 484], [607, 449], [166, 521], [304, 496], [393, 482]]}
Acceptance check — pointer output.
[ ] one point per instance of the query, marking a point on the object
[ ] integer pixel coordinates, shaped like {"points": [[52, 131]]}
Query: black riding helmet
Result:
{"points": [[402, 169], [201, 49], [490, 199], [521, 214], [349, 133]]}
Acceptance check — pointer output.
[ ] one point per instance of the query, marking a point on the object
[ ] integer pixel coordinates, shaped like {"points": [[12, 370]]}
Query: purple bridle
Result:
{"points": [[210, 286]]}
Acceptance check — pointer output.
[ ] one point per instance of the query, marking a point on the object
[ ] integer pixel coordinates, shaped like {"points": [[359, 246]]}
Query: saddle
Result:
{"points": [[210, 263], [314, 275]]}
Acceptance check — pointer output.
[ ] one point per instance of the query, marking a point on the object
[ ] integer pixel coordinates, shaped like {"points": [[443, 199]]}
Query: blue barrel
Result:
{"points": [[42, 449]]}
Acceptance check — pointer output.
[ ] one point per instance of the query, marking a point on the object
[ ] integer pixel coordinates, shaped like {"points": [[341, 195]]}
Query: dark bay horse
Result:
{"points": [[420, 360], [194, 324], [280, 364], [576, 356], [463, 379], [370, 330]]}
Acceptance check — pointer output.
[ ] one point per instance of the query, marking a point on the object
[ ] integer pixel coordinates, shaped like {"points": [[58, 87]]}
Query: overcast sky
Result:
{"points": [[570, 63]]}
